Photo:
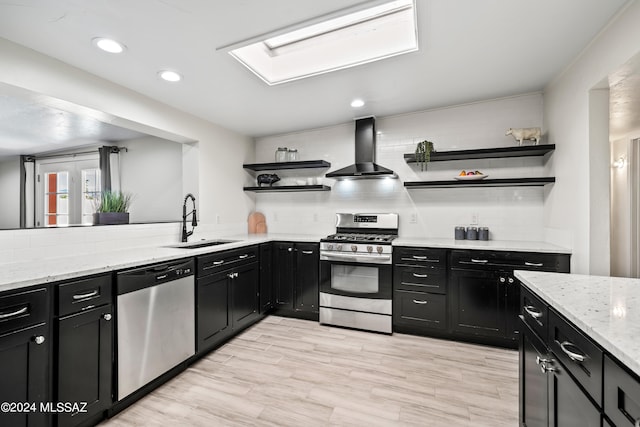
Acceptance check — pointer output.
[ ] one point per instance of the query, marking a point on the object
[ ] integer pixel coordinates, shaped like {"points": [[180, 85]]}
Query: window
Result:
{"points": [[66, 190], [354, 39]]}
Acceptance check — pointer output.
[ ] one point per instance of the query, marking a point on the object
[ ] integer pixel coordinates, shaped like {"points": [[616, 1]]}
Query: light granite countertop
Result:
{"points": [[487, 245], [23, 274], [607, 309]]}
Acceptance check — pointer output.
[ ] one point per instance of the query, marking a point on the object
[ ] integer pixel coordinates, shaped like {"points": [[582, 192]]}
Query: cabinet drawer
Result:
{"points": [[420, 279], [534, 312], [219, 261], [83, 294], [581, 357], [505, 260], [621, 395], [23, 308], [435, 258], [419, 309]]}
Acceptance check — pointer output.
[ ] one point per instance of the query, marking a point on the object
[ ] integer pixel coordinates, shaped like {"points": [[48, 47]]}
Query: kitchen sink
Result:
{"points": [[201, 244]]}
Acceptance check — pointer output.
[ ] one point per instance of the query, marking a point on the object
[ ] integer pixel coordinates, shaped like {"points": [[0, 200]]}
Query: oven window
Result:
{"points": [[354, 279]]}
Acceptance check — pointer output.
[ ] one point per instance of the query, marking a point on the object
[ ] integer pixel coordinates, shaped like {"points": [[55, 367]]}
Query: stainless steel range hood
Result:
{"points": [[365, 166]]}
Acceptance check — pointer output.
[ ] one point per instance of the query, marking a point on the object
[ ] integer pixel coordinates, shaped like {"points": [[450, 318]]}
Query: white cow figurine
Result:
{"points": [[520, 134]]}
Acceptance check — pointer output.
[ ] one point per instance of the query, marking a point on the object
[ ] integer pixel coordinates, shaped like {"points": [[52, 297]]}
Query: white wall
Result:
{"points": [[151, 171], [212, 165], [620, 211], [10, 192], [510, 213], [575, 203]]}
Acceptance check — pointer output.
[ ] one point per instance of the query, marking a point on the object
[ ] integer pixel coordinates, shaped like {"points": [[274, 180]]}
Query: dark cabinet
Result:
{"points": [[484, 296], [621, 394], [227, 295], [24, 355], [266, 277], [296, 278], [419, 290], [560, 376], [84, 358]]}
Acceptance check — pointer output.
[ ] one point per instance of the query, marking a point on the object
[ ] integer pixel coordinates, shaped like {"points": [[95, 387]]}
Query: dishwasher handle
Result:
{"points": [[144, 277]]}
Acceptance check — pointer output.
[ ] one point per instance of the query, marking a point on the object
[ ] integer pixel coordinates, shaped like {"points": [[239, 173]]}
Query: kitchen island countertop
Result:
{"points": [[607, 309]]}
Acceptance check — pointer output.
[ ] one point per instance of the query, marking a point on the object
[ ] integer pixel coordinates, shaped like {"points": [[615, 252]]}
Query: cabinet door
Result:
{"points": [[534, 384], [512, 307], [245, 304], [266, 277], [283, 274], [420, 309], [84, 363], [24, 370], [569, 406], [477, 303], [212, 309], [307, 277]]}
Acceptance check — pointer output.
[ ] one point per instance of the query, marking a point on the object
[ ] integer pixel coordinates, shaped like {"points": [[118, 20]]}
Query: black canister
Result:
{"points": [[459, 233], [483, 233], [472, 233]]}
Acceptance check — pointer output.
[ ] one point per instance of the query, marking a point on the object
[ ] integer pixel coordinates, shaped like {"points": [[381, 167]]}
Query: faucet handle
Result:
{"points": [[194, 220]]}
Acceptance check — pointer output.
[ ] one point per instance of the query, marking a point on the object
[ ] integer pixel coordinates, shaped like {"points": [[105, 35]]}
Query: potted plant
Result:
{"points": [[423, 153], [112, 208]]}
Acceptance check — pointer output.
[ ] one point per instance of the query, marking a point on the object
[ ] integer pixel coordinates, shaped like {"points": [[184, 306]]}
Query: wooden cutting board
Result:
{"points": [[257, 223]]}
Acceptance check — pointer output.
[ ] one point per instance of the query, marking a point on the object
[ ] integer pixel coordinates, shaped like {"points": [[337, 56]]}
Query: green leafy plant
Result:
{"points": [[423, 153], [113, 201]]}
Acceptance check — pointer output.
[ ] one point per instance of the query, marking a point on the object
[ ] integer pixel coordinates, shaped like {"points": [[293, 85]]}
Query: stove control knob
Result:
{"points": [[379, 249], [339, 247], [369, 249], [354, 248], [330, 246]]}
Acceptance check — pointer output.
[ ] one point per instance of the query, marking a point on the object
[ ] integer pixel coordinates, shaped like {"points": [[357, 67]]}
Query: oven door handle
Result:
{"points": [[348, 257]]}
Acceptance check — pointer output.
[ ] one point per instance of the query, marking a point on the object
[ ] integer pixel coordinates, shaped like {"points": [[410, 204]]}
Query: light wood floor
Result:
{"points": [[290, 372]]}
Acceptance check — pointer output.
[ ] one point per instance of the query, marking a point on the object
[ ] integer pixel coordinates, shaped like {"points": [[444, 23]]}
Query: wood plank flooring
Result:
{"points": [[290, 372]]}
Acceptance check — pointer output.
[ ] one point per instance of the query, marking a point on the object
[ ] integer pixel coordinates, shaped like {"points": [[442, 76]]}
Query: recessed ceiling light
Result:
{"points": [[170, 76], [108, 45], [357, 103]]}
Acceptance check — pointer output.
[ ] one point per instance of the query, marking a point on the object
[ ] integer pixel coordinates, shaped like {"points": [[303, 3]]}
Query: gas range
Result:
{"points": [[361, 238]]}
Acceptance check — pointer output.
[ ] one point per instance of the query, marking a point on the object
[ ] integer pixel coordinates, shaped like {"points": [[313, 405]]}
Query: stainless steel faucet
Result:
{"points": [[194, 220]]}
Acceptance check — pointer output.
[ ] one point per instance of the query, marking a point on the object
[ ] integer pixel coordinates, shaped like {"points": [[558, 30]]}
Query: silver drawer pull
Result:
{"points": [[479, 261], [417, 301], [15, 313], [218, 262], [243, 256], [162, 276], [106, 316], [421, 276], [532, 311], [419, 257], [576, 357], [87, 295], [533, 264], [307, 252]]}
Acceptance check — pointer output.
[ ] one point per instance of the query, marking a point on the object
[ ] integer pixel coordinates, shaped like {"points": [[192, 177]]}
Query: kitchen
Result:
{"points": [[563, 105]]}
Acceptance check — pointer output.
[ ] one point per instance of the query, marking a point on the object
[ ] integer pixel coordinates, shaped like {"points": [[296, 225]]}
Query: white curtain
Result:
{"points": [[110, 168]]}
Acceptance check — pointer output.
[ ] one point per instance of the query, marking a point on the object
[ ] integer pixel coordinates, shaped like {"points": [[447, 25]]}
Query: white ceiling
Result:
{"points": [[469, 50]]}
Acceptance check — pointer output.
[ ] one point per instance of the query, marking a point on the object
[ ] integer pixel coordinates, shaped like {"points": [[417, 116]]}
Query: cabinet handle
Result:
{"points": [[502, 280], [533, 264], [235, 274], [290, 249], [576, 357], [107, 316], [243, 256], [15, 313], [479, 261], [87, 295], [307, 252], [230, 275], [38, 339], [417, 301], [544, 368], [419, 257], [533, 311], [218, 262], [421, 276], [540, 360], [510, 280]]}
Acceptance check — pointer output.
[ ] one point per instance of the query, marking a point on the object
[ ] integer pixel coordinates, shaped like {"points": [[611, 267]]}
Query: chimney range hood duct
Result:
{"points": [[365, 166]]}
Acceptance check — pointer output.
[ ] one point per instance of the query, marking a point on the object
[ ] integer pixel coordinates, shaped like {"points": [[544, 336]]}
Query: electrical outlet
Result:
{"points": [[413, 218], [474, 218]]}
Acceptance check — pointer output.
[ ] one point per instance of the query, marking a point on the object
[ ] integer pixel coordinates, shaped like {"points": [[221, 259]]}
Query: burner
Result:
{"points": [[357, 237]]}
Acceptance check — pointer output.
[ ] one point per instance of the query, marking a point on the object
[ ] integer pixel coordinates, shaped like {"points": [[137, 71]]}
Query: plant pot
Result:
{"points": [[110, 218]]}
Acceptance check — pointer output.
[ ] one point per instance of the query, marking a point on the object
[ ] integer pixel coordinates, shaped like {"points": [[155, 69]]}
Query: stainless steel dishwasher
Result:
{"points": [[155, 320]]}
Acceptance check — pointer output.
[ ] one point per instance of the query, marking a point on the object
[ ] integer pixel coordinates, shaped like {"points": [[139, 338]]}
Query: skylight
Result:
{"points": [[354, 39]]}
